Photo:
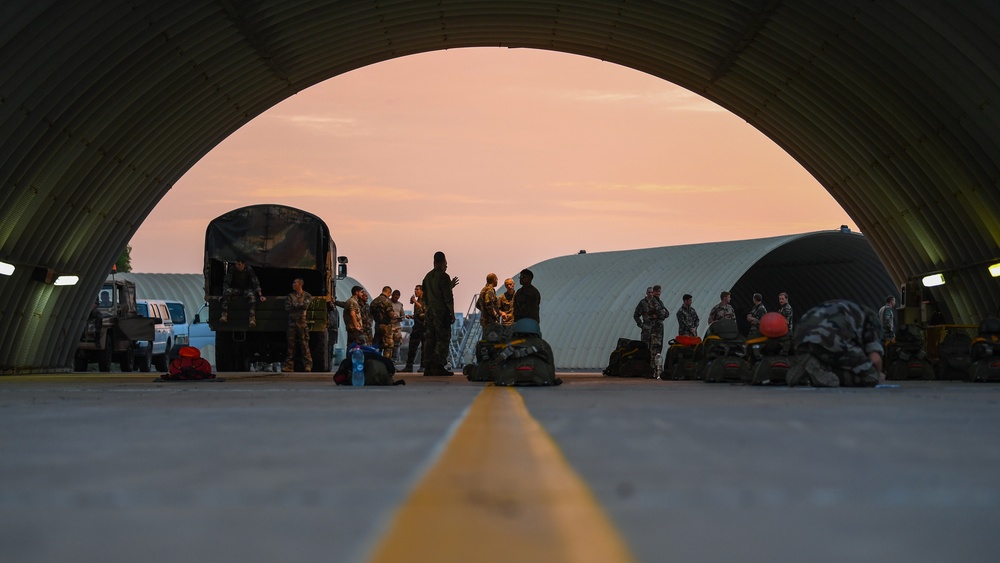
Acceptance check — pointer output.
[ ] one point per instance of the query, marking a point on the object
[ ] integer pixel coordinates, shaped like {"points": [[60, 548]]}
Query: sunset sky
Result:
{"points": [[501, 158]]}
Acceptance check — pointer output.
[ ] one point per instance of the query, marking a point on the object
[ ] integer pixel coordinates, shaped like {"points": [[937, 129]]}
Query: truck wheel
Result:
{"points": [[320, 350], [160, 361], [144, 360], [104, 356], [127, 360]]}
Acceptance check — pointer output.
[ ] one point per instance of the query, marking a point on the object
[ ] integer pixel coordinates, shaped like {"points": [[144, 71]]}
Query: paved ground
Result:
{"points": [[292, 468]]}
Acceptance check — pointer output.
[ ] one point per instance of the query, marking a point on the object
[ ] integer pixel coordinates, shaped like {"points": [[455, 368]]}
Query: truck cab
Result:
{"points": [[113, 329]]}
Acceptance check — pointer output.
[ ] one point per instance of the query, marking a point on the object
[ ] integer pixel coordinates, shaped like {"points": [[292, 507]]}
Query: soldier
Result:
{"points": [[527, 300], [488, 304], [838, 343], [419, 327], [381, 313], [687, 318], [353, 321], [366, 317], [887, 316], [506, 303], [297, 303], [652, 313], [241, 281], [786, 310], [756, 312], [723, 310], [637, 312], [440, 310], [397, 324]]}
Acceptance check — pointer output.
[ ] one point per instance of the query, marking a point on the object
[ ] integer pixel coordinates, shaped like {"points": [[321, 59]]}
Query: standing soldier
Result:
{"points": [[723, 310], [652, 313], [786, 310], [297, 303], [887, 316], [527, 300], [838, 343], [353, 321], [440, 307], [366, 316], [419, 327], [488, 304], [642, 304], [506, 303], [756, 312], [397, 324], [687, 318], [241, 281], [381, 313]]}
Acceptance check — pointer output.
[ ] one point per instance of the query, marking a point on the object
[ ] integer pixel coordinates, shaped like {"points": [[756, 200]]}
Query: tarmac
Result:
{"points": [[271, 467]]}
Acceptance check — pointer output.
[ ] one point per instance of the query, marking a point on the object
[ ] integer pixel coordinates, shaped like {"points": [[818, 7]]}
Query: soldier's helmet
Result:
{"points": [[773, 325], [526, 326]]}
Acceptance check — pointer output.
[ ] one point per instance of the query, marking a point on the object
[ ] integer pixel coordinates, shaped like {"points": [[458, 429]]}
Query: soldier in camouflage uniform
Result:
{"points": [[381, 313], [687, 318], [505, 302], [887, 316], [419, 328], [487, 303], [366, 316], [241, 281], [723, 310], [397, 324], [756, 312], [297, 303], [527, 300], [786, 311], [439, 300], [651, 314], [838, 343], [353, 321]]}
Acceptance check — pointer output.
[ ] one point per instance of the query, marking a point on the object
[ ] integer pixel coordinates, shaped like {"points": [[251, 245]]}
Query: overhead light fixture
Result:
{"points": [[8, 269], [66, 280], [933, 280], [994, 270]]}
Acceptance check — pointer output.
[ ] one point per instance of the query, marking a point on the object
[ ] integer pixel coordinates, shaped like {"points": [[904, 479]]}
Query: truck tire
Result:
{"points": [[321, 351], [128, 359], [104, 356], [144, 360]]}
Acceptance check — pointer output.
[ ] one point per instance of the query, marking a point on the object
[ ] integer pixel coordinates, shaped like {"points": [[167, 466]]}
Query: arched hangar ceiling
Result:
{"points": [[588, 299], [104, 104]]}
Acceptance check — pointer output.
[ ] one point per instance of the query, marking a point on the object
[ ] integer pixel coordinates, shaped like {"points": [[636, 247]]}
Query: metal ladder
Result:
{"points": [[462, 348]]}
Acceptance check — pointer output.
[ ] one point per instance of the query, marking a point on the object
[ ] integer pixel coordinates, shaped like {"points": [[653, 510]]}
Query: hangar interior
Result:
{"points": [[104, 104]]}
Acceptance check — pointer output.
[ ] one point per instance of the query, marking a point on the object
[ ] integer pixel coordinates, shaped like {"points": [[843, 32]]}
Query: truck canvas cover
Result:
{"points": [[285, 237]]}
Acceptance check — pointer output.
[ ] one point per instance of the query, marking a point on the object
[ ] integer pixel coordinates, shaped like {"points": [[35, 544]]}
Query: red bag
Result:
{"points": [[685, 340], [189, 365]]}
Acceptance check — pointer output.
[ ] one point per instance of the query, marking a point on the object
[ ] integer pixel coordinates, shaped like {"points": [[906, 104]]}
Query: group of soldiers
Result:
{"points": [[509, 306], [650, 313], [837, 342]]}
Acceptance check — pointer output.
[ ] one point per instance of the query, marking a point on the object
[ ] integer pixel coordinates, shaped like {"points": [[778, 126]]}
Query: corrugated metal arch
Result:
{"points": [[588, 299], [104, 104]]}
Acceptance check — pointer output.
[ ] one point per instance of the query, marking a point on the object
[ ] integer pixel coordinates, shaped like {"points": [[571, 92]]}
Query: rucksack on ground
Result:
{"points": [[630, 358], [680, 363], [985, 353], [770, 359], [379, 370], [527, 360], [188, 366], [906, 358], [953, 356], [723, 360], [487, 364]]}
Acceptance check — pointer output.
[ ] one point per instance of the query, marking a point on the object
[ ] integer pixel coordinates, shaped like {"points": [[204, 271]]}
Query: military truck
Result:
{"points": [[114, 330], [281, 244]]}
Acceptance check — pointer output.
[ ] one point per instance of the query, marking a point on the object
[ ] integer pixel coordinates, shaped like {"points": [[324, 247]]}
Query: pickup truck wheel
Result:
{"points": [[160, 360], [104, 357], [144, 360]]}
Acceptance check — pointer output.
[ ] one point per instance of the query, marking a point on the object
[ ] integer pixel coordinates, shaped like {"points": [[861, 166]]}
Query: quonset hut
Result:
{"points": [[588, 299]]}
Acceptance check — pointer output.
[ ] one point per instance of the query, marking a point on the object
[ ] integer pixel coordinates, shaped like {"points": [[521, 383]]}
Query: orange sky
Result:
{"points": [[501, 158]]}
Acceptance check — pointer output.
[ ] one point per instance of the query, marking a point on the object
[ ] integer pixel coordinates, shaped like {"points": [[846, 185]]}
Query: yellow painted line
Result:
{"points": [[501, 491]]}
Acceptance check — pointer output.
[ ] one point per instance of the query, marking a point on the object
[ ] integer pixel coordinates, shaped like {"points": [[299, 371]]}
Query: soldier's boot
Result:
{"points": [[308, 362], [408, 368], [224, 318], [253, 318], [289, 366], [810, 371]]}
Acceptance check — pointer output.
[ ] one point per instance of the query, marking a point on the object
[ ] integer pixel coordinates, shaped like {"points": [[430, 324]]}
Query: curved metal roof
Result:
{"points": [[105, 104], [588, 299]]}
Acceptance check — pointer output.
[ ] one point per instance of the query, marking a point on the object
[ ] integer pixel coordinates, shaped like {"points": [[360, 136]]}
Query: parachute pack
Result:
{"points": [[630, 358], [188, 366], [527, 360]]}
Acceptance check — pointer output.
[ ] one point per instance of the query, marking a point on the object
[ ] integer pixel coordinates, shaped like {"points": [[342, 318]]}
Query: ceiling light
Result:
{"points": [[933, 280], [66, 280], [8, 269], [994, 270]]}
